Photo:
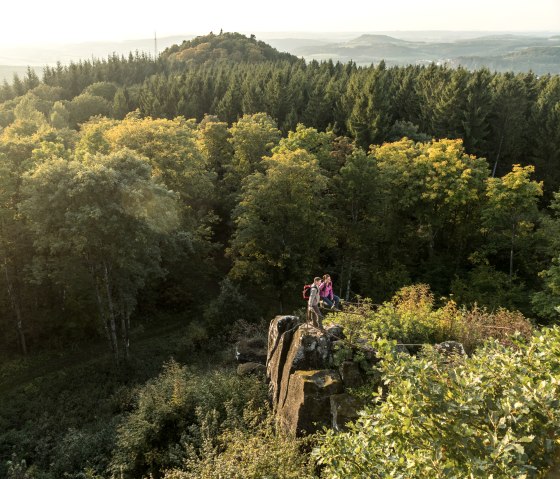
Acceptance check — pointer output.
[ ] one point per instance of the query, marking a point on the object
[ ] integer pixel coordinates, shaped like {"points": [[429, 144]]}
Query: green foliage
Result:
{"points": [[252, 137], [60, 411], [547, 301], [170, 414], [511, 211], [86, 105], [106, 224], [60, 118], [229, 305], [494, 414], [412, 317], [103, 89], [98, 226], [309, 139], [490, 288], [226, 47], [248, 448], [275, 246]]}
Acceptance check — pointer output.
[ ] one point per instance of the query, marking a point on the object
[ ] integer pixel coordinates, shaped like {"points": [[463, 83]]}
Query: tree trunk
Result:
{"points": [[112, 325], [497, 157], [111, 313], [511, 252], [14, 301], [103, 317], [348, 283], [125, 312], [341, 287], [124, 334]]}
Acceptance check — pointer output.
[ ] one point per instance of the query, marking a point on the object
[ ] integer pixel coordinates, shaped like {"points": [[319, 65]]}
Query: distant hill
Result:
{"points": [[539, 59], [512, 51], [233, 47], [497, 52]]}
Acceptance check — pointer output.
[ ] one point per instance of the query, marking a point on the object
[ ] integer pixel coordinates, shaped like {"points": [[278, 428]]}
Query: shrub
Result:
{"points": [[412, 318], [249, 448], [495, 414], [168, 415]]}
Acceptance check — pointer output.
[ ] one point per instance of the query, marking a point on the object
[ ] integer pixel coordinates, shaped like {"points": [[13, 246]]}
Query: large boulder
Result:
{"points": [[280, 335], [351, 374], [300, 347], [306, 406], [450, 348], [302, 380]]}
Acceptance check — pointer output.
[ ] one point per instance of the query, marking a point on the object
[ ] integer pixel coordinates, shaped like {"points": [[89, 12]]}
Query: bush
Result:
{"points": [[169, 413], [495, 414], [486, 286], [249, 448], [412, 318], [229, 306]]}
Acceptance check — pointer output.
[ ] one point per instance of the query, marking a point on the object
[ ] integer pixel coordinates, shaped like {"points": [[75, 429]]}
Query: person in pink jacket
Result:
{"points": [[328, 297]]}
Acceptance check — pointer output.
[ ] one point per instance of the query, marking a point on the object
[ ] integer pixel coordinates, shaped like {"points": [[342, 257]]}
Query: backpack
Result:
{"points": [[306, 291]]}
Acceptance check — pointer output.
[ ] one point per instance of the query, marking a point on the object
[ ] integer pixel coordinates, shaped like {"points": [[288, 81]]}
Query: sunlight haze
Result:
{"points": [[63, 21]]}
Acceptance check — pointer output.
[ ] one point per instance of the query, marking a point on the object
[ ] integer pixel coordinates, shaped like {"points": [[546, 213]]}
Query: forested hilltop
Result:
{"points": [[206, 187]]}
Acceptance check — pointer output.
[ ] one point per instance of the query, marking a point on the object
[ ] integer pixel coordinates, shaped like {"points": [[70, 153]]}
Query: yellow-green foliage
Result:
{"points": [[174, 413], [493, 415], [412, 317], [251, 448]]}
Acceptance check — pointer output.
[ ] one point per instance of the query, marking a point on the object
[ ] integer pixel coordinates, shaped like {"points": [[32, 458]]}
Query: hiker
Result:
{"points": [[314, 315], [328, 297]]}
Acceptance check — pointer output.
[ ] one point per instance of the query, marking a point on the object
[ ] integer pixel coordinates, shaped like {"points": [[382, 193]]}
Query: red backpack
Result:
{"points": [[307, 290]]}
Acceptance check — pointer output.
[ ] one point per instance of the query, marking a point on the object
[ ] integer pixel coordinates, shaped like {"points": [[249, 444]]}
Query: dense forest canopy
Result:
{"points": [[210, 184], [461, 191]]}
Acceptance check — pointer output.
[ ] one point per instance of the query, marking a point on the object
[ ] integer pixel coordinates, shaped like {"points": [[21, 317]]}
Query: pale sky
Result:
{"points": [[68, 21]]}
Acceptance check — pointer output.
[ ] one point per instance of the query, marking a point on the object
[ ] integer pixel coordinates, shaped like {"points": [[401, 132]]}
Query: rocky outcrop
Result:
{"points": [[451, 348], [307, 403], [306, 387], [250, 353], [344, 408]]}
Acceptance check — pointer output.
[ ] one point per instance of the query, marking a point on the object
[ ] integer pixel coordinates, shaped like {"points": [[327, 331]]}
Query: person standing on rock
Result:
{"points": [[314, 315]]}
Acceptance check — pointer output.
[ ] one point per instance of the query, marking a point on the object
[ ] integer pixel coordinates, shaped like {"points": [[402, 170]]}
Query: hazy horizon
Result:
{"points": [[59, 22], [37, 55]]}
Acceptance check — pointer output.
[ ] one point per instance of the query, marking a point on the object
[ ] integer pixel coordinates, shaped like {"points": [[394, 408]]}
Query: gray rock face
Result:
{"points": [[307, 403], [351, 374], [301, 377], [450, 348], [344, 409], [280, 335], [301, 347]]}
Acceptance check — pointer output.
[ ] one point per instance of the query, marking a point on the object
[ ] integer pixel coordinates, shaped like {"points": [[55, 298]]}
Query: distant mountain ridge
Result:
{"points": [[496, 52]]}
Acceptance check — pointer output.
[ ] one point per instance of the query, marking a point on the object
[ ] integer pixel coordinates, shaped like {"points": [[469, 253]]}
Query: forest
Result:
{"points": [[153, 209]]}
